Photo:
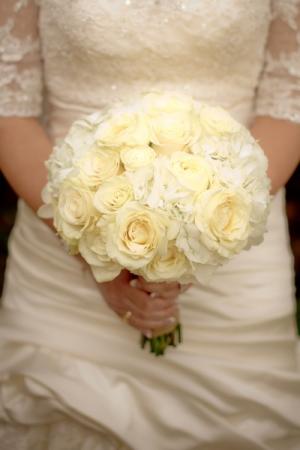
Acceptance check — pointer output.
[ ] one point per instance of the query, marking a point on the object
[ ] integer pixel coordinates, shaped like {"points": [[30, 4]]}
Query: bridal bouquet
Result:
{"points": [[168, 188]]}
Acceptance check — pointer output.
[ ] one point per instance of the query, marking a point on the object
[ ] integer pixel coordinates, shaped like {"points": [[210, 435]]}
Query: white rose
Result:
{"points": [[113, 194], [127, 128], [192, 171], [75, 211], [223, 217], [169, 267], [92, 248], [173, 122], [137, 235], [70, 235], [98, 165], [217, 121], [135, 157]]}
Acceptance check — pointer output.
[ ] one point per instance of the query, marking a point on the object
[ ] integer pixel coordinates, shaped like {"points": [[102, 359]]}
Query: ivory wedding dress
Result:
{"points": [[72, 374]]}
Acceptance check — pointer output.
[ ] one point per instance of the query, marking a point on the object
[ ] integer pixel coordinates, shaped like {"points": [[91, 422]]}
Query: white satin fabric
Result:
{"points": [[233, 383], [72, 375]]}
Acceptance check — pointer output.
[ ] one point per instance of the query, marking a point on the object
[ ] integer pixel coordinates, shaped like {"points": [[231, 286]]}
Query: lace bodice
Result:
{"points": [[77, 56]]}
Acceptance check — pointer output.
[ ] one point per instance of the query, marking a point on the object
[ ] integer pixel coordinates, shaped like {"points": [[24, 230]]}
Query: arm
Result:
{"points": [[280, 140], [277, 122], [24, 146]]}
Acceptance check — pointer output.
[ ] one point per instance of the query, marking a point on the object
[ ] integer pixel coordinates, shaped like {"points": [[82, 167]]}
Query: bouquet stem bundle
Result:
{"points": [[159, 343]]}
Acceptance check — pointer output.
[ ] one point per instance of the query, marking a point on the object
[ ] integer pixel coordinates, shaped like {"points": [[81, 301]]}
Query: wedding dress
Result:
{"points": [[72, 375]]}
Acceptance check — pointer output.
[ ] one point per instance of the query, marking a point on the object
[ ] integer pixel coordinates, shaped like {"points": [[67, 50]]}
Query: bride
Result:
{"points": [[71, 373]]}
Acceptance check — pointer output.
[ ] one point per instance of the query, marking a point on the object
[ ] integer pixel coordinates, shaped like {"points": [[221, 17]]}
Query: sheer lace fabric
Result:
{"points": [[20, 62], [279, 87]]}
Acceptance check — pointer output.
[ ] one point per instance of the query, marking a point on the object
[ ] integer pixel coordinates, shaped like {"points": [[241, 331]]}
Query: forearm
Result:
{"points": [[24, 147], [280, 141]]}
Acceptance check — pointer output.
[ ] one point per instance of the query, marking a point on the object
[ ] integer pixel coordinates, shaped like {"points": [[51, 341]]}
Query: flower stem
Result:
{"points": [[158, 344]]}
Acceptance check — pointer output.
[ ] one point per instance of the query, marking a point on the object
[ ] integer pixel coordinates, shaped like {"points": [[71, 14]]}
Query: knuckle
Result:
{"points": [[144, 316]]}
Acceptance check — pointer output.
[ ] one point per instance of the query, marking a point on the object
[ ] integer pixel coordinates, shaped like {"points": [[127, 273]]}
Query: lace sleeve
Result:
{"points": [[20, 62], [278, 92]]}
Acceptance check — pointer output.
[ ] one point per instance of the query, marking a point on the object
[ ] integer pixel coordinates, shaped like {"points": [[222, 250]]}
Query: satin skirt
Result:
{"points": [[72, 374]]}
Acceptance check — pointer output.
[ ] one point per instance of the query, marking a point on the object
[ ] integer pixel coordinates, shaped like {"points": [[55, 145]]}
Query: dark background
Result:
{"points": [[8, 209]]}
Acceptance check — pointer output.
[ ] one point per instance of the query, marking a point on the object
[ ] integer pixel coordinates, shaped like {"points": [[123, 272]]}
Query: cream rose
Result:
{"points": [[113, 194], [170, 267], [192, 171], [98, 165], [92, 249], [173, 122], [216, 121], [223, 217], [127, 128], [135, 157], [75, 211], [137, 235]]}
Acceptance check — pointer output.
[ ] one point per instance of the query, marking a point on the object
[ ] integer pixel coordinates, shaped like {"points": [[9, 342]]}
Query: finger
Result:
{"points": [[139, 303], [158, 303], [162, 314], [170, 294], [151, 313], [124, 277], [185, 287], [143, 322], [153, 287], [147, 307], [159, 288], [154, 325], [139, 297]]}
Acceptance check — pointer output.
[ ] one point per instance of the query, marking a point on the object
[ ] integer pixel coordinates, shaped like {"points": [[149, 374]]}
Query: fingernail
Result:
{"points": [[133, 283], [172, 319], [154, 295], [148, 334]]}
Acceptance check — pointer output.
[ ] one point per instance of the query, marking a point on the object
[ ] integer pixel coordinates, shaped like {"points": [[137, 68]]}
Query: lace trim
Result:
{"points": [[20, 92], [279, 88], [20, 4], [279, 98], [13, 49], [20, 81], [287, 11], [278, 112], [285, 63]]}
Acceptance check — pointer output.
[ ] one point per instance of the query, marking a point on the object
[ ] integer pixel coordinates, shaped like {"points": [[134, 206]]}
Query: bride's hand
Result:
{"points": [[130, 301], [163, 290]]}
